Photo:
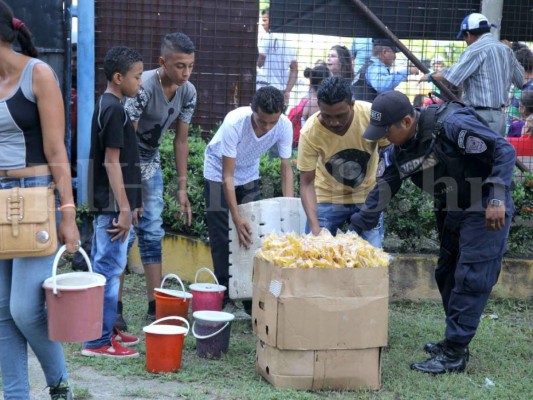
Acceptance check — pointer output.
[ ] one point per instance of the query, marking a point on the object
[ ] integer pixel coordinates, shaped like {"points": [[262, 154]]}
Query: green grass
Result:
{"points": [[501, 352]]}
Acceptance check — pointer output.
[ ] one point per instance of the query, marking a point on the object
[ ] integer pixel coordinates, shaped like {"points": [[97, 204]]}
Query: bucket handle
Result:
{"points": [[60, 252], [175, 277], [168, 318], [207, 336], [207, 270]]}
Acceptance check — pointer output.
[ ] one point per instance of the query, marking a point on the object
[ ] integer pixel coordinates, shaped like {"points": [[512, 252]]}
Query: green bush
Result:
{"points": [[195, 183], [269, 171], [521, 233], [409, 219]]}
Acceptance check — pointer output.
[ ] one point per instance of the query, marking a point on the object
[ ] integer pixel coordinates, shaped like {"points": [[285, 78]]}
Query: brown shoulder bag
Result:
{"points": [[27, 222]]}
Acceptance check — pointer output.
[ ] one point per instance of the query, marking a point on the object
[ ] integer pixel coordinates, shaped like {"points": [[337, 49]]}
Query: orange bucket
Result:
{"points": [[164, 345], [75, 303], [171, 303], [207, 296]]}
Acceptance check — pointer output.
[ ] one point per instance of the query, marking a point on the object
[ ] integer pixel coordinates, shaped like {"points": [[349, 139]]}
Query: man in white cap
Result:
{"points": [[485, 71]]}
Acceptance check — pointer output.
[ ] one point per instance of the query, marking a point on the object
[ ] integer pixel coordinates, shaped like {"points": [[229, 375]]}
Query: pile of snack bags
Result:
{"points": [[345, 250]]}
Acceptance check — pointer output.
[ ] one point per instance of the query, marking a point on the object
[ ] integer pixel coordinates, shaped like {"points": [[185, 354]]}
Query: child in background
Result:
{"points": [[114, 190]]}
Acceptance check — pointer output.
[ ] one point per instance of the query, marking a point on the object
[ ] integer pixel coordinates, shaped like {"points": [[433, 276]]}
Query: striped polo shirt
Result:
{"points": [[486, 70]]}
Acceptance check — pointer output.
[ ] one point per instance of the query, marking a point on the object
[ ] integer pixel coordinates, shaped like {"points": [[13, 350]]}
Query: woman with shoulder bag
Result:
{"points": [[32, 154]]}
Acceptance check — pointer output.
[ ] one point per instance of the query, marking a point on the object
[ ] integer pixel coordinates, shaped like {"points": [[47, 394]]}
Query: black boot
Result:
{"points": [[436, 348], [61, 391], [433, 348], [452, 358], [120, 323]]}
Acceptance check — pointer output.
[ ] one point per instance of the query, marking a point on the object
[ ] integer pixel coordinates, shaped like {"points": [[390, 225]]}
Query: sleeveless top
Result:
{"points": [[21, 139]]}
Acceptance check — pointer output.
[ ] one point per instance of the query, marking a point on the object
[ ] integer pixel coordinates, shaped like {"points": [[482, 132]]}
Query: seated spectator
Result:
{"points": [[520, 126], [525, 59], [437, 64], [376, 76], [420, 100], [340, 62], [308, 105]]}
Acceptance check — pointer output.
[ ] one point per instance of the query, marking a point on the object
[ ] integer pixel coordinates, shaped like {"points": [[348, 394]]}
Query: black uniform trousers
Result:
{"points": [[468, 267], [217, 214]]}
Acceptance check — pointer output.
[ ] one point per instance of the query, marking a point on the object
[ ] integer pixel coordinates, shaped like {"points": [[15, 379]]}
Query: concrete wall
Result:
{"points": [[411, 276]]}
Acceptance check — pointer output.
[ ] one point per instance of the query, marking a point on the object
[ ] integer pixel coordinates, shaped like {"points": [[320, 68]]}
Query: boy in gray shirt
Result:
{"points": [[166, 95]]}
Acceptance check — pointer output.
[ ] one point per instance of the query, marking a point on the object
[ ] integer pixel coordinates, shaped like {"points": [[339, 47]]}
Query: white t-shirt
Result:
{"points": [[279, 55], [236, 139]]}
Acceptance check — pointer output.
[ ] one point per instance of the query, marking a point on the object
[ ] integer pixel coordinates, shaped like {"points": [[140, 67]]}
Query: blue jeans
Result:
{"points": [[109, 259], [334, 216], [23, 317], [149, 230]]}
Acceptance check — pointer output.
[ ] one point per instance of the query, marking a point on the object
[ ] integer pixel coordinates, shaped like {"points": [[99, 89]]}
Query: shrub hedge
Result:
{"points": [[409, 219]]}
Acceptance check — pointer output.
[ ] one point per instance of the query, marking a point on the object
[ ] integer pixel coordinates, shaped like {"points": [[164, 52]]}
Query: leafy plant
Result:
{"points": [[521, 233], [195, 181], [410, 217]]}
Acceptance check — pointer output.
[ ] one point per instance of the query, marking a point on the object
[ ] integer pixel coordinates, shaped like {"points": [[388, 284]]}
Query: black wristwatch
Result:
{"points": [[496, 202]]}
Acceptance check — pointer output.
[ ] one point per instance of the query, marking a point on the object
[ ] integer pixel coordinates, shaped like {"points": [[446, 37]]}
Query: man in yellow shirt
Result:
{"points": [[337, 165]]}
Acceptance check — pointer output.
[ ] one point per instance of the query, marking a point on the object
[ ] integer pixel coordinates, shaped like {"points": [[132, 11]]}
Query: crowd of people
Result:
{"points": [[359, 140]]}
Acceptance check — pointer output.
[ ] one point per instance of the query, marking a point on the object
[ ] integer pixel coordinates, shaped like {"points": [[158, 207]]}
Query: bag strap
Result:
{"points": [[15, 210]]}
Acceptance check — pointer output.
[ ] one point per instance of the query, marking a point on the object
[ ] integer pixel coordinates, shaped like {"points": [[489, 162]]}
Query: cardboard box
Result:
{"points": [[320, 309], [319, 369]]}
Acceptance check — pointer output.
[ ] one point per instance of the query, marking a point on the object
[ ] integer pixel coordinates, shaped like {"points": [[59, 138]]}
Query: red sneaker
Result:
{"points": [[113, 351], [124, 339]]}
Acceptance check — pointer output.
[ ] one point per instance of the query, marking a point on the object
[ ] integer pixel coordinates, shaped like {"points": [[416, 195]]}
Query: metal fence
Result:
{"points": [[228, 33]]}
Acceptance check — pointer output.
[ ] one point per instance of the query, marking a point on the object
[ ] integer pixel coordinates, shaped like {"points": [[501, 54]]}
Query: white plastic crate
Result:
{"points": [[277, 215]]}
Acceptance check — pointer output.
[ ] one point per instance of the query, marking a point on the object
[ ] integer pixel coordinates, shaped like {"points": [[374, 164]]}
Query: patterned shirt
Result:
{"points": [[236, 139], [154, 113], [486, 70]]}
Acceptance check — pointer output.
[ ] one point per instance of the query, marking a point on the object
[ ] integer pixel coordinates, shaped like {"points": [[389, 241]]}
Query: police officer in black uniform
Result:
{"points": [[449, 152]]}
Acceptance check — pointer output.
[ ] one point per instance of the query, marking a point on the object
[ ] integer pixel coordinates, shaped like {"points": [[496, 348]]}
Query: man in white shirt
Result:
{"points": [[231, 169], [277, 62]]}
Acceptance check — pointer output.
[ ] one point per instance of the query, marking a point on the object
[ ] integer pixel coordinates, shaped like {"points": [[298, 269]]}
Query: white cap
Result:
{"points": [[474, 21]]}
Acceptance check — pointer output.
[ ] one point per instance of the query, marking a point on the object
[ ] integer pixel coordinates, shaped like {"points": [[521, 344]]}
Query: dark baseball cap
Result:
{"points": [[387, 109], [385, 42]]}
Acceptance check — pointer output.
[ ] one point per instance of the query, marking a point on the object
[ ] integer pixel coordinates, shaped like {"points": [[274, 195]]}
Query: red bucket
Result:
{"points": [[164, 345], [206, 296], [75, 303], [170, 302]]}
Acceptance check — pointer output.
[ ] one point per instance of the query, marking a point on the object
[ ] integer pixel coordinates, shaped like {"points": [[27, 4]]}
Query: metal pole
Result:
{"points": [[493, 10], [386, 31], [86, 66]]}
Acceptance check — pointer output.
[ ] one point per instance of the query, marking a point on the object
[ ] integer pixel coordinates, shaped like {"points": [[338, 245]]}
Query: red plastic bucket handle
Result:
{"points": [[207, 270], [168, 318], [60, 252]]}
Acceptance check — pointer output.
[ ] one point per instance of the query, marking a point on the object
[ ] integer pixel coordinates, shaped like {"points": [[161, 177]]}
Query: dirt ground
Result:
{"points": [[100, 387]]}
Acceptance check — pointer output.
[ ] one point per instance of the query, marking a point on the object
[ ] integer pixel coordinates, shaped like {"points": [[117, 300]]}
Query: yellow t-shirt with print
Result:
{"points": [[345, 166]]}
